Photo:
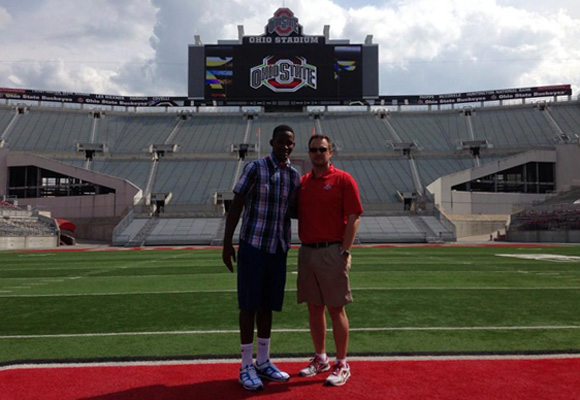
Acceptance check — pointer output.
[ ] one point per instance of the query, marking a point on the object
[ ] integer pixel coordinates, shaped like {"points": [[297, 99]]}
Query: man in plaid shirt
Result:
{"points": [[266, 190]]}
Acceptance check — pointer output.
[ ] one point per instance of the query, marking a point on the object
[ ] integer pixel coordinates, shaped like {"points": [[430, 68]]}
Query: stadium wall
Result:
{"points": [[567, 167], [459, 202], [3, 171], [98, 229], [96, 215], [544, 236], [28, 242], [476, 225]]}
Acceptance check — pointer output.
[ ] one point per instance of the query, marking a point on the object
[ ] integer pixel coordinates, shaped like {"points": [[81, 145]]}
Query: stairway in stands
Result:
{"points": [[141, 237], [430, 236]]}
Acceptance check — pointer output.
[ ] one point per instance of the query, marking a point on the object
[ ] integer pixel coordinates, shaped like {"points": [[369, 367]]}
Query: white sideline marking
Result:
{"points": [[292, 290], [291, 359], [301, 330], [543, 257]]}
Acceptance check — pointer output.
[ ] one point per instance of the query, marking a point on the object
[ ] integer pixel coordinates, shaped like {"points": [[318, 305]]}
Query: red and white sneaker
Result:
{"points": [[339, 375], [316, 366]]}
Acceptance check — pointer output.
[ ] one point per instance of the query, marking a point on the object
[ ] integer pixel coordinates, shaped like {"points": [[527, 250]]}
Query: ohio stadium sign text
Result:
{"points": [[283, 75], [291, 39]]}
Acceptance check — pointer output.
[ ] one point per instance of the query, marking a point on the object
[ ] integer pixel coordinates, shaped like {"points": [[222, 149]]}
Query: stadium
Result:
{"points": [[500, 166]]}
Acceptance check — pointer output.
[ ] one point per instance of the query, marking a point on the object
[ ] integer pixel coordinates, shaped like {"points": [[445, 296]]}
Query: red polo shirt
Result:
{"points": [[324, 204]]}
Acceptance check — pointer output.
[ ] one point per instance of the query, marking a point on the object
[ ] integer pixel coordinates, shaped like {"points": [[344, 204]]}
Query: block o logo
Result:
{"points": [[284, 23], [283, 75]]}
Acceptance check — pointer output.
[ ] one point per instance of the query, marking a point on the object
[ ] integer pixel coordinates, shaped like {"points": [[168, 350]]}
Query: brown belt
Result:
{"points": [[320, 245]]}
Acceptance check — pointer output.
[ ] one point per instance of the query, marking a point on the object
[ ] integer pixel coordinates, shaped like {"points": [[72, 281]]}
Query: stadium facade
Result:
{"points": [[159, 170]]}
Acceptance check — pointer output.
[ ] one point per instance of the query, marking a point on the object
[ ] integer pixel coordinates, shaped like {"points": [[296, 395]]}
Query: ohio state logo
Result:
{"points": [[284, 23], [283, 75]]}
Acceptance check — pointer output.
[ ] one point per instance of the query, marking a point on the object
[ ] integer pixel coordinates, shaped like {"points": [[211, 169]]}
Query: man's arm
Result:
{"points": [[228, 252], [350, 231]]}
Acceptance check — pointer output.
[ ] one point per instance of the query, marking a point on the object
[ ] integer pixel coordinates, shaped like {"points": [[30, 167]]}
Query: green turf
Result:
{"points": [[465, 293]]}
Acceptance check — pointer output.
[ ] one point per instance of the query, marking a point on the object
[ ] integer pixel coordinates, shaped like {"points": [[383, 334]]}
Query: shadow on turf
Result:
{"points": [[219, 389]]}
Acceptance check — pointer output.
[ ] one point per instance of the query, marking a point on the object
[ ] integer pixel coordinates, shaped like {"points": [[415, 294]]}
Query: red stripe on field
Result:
{"points": [[529, 379]]}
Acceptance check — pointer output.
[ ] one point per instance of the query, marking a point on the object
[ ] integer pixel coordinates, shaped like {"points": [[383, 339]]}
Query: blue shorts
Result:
{"points": [[261, 278]]}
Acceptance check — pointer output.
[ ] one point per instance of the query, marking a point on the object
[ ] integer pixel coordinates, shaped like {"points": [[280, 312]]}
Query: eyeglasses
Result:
{"points": [[318, 149]]}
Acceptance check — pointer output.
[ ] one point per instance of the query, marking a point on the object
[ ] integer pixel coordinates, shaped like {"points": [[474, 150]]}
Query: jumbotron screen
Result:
{"points": [[268, 72], [283, 65]]}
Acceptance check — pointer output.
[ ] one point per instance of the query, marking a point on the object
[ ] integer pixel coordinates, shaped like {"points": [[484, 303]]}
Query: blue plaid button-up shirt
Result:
{"points": [[269, 189]]}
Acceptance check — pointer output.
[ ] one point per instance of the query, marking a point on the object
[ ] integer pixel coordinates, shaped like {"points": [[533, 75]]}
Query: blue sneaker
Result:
{"points": [[270, 371], [249, 379]]}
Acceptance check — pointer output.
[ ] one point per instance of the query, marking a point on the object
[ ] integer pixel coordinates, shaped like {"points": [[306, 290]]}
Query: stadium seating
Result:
{"points": [[514, 127], [50, 130], [556, 219], [433, 131], [134, 133], [21, 228], [6, 116], [208, 134], [568, 118], [391, 156]]}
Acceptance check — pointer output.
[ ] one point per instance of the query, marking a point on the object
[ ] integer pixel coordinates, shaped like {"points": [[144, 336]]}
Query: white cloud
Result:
{"points": [[78, 46], [140, 47], [448, 46], [5, 18]]}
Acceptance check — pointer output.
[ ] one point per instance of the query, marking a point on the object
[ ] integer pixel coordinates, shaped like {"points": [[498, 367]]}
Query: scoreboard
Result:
{"points": [[283, 66]]}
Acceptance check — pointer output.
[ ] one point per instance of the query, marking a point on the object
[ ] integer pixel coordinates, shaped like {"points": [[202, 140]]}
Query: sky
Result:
{"points": [[139, 47]]}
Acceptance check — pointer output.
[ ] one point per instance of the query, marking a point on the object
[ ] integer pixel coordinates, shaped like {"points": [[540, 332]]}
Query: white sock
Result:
{"points": [[342, 360], [247, 356], [263, 352], [322, 356]]}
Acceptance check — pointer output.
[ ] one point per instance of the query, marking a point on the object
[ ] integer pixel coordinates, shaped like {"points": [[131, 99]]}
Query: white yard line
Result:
{"points": [[410, 288], [169, 362], [302, 330], [88, 273]]}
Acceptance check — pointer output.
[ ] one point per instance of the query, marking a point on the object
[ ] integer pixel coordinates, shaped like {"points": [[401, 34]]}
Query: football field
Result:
{"points": [[181, 303]]}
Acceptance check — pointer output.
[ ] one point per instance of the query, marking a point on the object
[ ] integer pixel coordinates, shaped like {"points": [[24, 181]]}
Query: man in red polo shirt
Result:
{"points": [[329, 210]]}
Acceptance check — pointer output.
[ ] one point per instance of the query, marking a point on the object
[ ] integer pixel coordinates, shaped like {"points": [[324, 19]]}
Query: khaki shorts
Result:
{"points": [[323, 276]]}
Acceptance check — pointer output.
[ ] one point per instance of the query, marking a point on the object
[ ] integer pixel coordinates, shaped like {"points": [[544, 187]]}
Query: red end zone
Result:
{"points": [[529, 378]]}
